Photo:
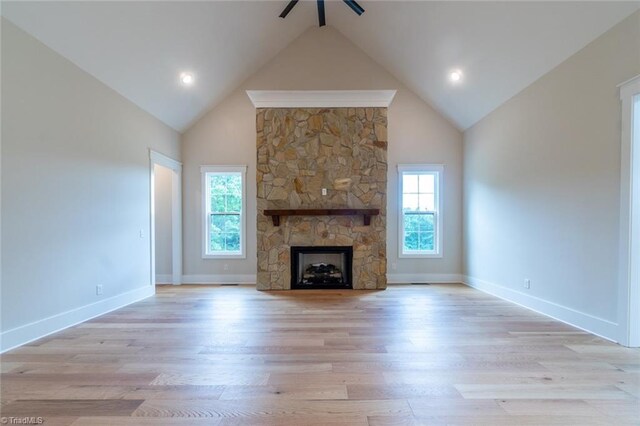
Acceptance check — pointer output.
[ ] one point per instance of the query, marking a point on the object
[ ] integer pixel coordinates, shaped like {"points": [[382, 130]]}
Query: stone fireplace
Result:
{"points": [[321, 158]]}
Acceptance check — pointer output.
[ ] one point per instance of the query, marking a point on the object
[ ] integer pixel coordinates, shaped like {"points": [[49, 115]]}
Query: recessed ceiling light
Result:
{"points": [[187, 79], [455, 76]]}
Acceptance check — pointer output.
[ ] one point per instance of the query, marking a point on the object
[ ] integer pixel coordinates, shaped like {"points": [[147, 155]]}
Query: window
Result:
{"points": [[420, 216], [223, 205]]}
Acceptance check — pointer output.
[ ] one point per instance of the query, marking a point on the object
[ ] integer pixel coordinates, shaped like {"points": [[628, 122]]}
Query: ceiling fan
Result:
{"points": [[321, 19]]}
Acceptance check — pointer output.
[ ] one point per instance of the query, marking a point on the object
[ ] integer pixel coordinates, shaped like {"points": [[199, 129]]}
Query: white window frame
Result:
{"points": [[438, 171], [206, 206]]}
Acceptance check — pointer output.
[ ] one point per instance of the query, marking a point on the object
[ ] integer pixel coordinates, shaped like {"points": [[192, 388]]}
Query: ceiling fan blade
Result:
{"points": [[321, 20], [287, 9], [354, 6]]}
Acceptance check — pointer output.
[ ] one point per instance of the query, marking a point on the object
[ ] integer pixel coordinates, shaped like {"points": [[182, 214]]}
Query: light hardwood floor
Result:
{"points": [[411, 355]]}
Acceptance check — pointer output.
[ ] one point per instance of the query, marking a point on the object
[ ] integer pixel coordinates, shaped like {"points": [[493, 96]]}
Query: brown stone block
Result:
{"points": [[369, 113], [380, 131], [290, 154], [343, 240], [315, 122], [294, 200], [297, 184], [367, 197], [263, 279], [301, 115]]}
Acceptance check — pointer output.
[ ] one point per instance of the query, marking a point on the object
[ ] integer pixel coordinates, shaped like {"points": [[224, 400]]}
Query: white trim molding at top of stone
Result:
{"points": [[321, 98]]}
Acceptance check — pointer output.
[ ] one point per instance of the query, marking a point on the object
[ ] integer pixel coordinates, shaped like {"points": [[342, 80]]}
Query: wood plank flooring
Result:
{"points": [[410, 355]]}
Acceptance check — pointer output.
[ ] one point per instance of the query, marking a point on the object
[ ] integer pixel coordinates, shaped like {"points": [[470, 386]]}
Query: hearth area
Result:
{"points": [[321, 267]]}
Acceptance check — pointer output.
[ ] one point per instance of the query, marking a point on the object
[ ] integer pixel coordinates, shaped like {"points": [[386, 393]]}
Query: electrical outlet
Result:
{"points": [[394, 266], [527, 283], [99, 290], [226, 267], [141, 233], [324, 191]]}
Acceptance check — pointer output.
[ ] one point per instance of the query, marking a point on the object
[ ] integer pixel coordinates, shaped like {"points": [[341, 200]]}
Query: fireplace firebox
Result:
{"points": [[321, 267]]}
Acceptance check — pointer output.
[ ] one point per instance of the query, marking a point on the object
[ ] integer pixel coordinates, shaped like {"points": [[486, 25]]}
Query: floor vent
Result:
{"points": [[228, 285], [420, 283]]}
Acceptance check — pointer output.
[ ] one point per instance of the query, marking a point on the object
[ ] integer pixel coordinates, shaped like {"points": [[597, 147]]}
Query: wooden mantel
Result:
{"points": [[366, 213]]}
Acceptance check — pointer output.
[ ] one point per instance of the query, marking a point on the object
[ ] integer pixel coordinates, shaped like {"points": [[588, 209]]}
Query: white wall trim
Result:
{"points": [[29, 332], [423, 278], [629, 249], [627, 83], [176, 226], [164, 161], [320, 98], [595, 325], [220, 279]]}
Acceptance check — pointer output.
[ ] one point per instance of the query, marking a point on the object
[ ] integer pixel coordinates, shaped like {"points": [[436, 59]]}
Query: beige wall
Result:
{"points": [[542, 182], [322, 59], [75, 191], [162, 186]]}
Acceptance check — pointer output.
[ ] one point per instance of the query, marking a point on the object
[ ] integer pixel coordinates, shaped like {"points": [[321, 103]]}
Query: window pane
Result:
{"points": [[411, 223], [410, 202], [427, 202], [409, 183], [217, 183], [418, 222], [427, 183], [217, 223], [411, 240], [234, 185], [231, 223], [225, 223], [425, 241], [234, 203], [226, 193], [217, 203], [216, 243], [426, 223], [232, 242]]}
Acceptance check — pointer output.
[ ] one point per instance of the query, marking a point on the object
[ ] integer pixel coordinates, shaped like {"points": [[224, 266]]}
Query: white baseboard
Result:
{"points": [[220, 279], [595, 325], [29, 332], [423, 278], [164, 279]]}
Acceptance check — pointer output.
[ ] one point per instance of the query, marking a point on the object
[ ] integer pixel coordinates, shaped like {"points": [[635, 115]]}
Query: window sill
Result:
{"points": [[420, 256], [225, 256]]}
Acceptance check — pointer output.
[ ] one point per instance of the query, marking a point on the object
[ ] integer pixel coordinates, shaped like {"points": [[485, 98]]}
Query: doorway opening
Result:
{"points": [[166, 219]]}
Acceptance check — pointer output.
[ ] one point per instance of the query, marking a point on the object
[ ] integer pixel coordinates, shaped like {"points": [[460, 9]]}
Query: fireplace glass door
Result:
{"points": [[320, 267]]}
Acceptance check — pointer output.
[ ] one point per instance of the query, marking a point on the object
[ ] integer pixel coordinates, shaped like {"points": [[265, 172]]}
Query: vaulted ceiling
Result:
{"points": [[140, 48]]}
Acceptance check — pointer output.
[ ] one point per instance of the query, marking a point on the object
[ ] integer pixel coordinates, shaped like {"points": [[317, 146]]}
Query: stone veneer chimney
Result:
{"points": [[302, 150]]}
